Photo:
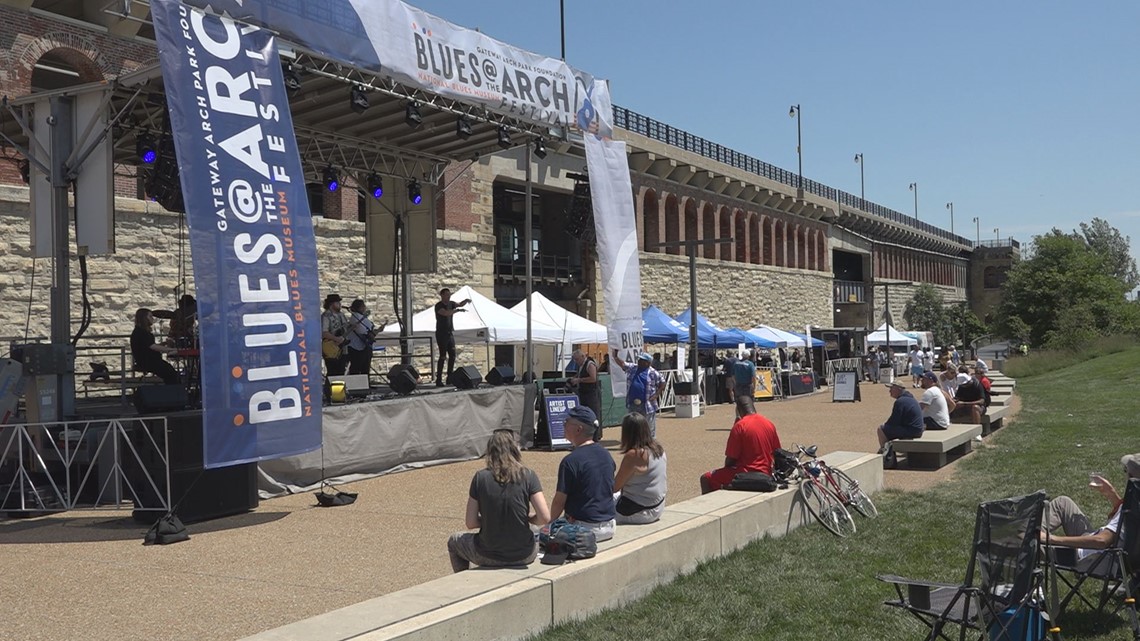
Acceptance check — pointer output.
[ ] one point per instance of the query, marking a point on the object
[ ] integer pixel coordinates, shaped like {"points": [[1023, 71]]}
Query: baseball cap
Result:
{"points": [[896, 383], [930, 376], [980, 366], [644, 357], [583, 414], [1131, 465], [962, 379]]}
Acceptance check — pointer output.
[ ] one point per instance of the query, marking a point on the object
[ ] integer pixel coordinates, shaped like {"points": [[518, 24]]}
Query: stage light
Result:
{"points": [[414, 194], [25, 171], [412, 115], [504, 138], [358, 100], [292, 80], [145, 147], [332, 178], [539, 148], [375, 185], [463, 127]]}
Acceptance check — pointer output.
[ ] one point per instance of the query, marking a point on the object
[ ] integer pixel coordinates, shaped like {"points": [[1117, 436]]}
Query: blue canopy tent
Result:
{"points": [[709, 336], [657, 327]]}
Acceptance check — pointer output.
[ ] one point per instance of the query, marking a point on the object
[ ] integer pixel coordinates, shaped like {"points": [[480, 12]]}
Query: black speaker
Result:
{"points": [[501, 375], [402, 379], [155, 399], [466, 377]]}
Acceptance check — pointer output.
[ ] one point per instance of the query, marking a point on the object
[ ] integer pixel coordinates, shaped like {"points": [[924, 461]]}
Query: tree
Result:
{"points": [[965, 326], [1064, 273], [1114, 250], [925, 311]]}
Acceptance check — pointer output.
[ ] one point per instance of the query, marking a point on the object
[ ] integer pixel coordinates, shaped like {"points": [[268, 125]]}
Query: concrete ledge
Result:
{"points": [[993, 419], [935, 444], [515, 603]]}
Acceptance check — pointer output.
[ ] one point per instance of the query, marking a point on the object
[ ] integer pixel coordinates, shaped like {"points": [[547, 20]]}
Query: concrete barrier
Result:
{"points": [[515, 603]]}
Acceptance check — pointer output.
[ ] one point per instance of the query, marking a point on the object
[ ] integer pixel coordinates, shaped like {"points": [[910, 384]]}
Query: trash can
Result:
{"points": [[688, 399], [886, 374]]}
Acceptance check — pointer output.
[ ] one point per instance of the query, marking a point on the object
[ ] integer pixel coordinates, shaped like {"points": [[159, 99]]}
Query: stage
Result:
{"points": [[373, 437]]}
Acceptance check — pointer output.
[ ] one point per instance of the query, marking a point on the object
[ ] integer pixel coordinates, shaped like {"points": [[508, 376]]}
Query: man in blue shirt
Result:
{"points": [[744, 375], [644, 386], [905, 421], [586, 478]]}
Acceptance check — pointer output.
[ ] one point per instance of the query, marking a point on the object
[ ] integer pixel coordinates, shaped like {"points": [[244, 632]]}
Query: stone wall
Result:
{"points": [[901, 295]]}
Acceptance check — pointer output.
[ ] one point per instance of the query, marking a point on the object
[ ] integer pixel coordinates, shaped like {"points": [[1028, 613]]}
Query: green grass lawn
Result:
{"points": [[812, 585]]}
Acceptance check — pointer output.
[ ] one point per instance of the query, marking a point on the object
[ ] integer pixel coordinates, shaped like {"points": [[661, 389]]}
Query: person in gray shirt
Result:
{"points": [[499, 505], [640, 484]]}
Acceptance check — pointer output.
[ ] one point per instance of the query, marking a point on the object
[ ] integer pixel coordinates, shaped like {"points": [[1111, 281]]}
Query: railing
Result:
{"points": [[661, 132], [842, 365], [849, 291], [1000, 242], [545, 268]]}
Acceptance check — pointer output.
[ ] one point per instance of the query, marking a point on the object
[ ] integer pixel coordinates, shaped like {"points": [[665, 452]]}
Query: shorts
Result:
{"points": [[896, 432], [931, 425], [916, 370], [720, 477], [743, 389]]}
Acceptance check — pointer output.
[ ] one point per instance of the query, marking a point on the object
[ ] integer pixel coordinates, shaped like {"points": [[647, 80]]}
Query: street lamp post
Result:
{"points": [[862, 185], [794, 112], [914, 188], [562, 25], [997, 235], [977, 230], [950, 206]]}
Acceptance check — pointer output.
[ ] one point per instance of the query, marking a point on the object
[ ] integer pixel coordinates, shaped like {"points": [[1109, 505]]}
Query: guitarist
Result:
{"points": [[334, 336], [362, 333]]}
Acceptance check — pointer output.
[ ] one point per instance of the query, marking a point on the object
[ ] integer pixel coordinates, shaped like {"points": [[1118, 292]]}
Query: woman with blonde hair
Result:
{"points": [[640, 483], [499, 505]]}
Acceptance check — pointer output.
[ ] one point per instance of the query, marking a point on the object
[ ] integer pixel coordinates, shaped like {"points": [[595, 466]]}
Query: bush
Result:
{"points": [[1049, 360]]}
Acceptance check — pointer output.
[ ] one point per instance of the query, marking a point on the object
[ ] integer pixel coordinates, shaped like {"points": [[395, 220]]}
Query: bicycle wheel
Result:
{"points": [[826, 508], [854, 495]]}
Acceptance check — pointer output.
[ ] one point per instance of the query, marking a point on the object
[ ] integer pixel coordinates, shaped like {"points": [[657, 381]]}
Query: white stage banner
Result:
{"points": [[612, 196]]}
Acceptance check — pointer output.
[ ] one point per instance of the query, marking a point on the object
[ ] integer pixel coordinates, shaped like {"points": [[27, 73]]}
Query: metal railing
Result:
{"points": [[1000, 242], [849, 291], [661, 132]]}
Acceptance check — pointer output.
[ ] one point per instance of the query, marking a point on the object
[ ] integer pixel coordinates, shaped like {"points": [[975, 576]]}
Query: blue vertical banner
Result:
{"points": [[251, 236]]}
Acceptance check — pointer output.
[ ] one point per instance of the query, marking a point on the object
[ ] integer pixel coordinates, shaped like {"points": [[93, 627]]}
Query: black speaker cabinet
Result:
{"points": [[403, 379], [155, 399], [466, 377], [501, 375], [198, 494]]}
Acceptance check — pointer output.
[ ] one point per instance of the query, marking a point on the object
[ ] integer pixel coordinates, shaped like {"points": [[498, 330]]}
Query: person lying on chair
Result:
{"points": [[1063, 513]]}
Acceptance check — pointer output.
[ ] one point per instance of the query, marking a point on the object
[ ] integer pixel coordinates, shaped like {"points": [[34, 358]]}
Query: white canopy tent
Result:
{"points": [[778, 336], [485, 321], [575, 329], [898, 337]]}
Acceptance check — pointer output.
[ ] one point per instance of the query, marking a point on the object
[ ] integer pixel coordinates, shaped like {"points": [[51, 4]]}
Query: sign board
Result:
{"points": [[555, 407], [845, 387], [764, 389]]}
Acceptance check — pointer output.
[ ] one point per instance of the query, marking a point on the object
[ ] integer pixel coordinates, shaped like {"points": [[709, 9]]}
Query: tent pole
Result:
{"points": [[529, 217]]}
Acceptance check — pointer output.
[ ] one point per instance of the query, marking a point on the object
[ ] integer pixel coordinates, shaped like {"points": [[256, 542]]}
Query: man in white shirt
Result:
{"points": [[1064, 514], [935, 410], [915, 364]]}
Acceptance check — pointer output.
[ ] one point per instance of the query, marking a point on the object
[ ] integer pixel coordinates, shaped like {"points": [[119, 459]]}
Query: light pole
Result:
{"points": [[914, 188], [562, 25], [862, 185], [977, 230], [794, 112], [950, 206], [997, 235]]}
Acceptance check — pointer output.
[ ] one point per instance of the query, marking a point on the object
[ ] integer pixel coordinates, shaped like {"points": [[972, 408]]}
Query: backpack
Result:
{"points": [[570, 539], [783, 464], [753, 482]]}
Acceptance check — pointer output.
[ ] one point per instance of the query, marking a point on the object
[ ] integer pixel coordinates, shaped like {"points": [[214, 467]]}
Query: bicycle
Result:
{"points": [[845, 488], [824, 504]]}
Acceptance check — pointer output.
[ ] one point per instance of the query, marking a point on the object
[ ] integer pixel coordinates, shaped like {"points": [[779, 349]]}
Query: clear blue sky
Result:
{"points": [[1023, 114]]}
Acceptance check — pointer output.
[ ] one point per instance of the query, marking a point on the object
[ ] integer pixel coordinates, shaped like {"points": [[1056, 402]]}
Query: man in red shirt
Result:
{"points": [[751, 443]]}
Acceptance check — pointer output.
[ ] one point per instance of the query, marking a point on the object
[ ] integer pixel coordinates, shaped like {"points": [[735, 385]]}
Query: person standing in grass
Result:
{"points": [[640, 484], [499, 504]]}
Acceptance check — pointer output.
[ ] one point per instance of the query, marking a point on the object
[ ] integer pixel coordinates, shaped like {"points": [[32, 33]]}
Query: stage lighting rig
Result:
{"points": [[412, 116], [463, 127], [26, 171], [332, 178], [292, 80], [146, 149], [375, 185], [358, 100], [504, 138], [414, 194], [539, 148]]}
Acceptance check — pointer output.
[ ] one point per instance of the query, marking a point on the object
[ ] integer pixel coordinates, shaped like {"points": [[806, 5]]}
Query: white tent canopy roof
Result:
{"points": [[485, 321], [779, 336], [575, 329], [898, 337]]}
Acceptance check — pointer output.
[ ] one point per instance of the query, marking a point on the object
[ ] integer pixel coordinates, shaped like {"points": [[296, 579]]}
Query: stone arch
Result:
{"points": [[781, 244], [726, 250], [768, 225], [809, 245], [692, 225], [821, 248], [709, 229], [73, 51], [740, 235], [672, 224], [754, 236], [650, 221]]}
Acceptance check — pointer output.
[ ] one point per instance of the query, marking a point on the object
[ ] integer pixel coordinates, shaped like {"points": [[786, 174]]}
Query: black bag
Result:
{"points": [[166, 530], [783, 463], [753, 482], [561, 541], [890, 458]]}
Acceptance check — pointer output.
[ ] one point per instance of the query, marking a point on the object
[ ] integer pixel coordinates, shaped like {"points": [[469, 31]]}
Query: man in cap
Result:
{"points": [[334, 338], [744, 375], [751, 444], [1063, 513], [905, 421], [644, 386], [935, 409], [585, 489]]}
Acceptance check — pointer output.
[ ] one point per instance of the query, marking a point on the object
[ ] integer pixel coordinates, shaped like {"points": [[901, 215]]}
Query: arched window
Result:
{"points": [[672, 224], [649, 219]]}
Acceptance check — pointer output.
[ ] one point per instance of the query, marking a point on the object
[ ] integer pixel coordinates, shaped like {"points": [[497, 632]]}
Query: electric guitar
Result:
{"points": [[329, 349]]}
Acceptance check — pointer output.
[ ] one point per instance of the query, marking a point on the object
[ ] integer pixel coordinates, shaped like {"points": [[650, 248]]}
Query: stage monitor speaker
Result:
{"points": [[466, 377], [402, 379], [155, 399], [501, 375]]}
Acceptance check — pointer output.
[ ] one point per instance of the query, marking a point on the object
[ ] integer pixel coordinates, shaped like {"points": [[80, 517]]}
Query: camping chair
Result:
{"points": [[1002, 594], [1116, 568]]}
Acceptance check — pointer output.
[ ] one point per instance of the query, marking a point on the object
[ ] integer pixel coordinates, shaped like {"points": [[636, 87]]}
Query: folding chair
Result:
{"points": [[1002, 596], [1116, 568]]}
